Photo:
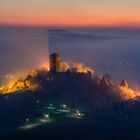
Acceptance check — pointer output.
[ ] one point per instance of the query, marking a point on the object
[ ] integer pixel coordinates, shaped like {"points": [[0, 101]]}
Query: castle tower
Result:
{"points": [[55, 61], [124, 83], [104, 82]]}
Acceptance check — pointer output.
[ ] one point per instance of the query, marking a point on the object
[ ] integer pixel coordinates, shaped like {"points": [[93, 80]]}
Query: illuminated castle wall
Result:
{"points": [[55, 61]]}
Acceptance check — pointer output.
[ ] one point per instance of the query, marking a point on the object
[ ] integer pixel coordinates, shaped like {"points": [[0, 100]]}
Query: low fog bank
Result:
{"points": [[21, 49], [109, 51]]}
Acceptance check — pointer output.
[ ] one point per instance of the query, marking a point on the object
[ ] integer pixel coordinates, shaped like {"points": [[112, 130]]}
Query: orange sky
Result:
{"points": [[71, 13]]}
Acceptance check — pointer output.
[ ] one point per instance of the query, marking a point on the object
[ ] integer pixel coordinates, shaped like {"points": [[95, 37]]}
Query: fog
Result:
{"points": [[21, 49], [111, 51]]}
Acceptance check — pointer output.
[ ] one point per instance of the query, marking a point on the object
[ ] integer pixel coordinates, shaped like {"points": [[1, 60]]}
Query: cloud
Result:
{"points": [[121, 64], [71, 36]]}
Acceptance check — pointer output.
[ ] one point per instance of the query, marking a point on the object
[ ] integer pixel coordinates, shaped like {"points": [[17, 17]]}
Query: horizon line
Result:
{"points": [[72, 26]]}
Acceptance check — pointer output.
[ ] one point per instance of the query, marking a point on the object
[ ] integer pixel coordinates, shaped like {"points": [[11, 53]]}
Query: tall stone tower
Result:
{"points": [[55, 61]]}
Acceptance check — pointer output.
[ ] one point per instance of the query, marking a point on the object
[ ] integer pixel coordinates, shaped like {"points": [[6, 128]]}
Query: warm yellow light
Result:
{"points": [[10, 87], [81, 68], [128, 93], [45, 67]]}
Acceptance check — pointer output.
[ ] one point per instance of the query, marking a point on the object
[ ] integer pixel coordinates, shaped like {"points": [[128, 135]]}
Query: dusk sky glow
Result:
{"points": [[70, 12], [70, 69]]}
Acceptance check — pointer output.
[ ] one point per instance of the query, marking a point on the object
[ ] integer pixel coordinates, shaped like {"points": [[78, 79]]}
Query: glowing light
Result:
{"points": [[9, 76], [43, 120], [10, 87], [27, 120], [78, 114], [51, 107], [37, 101], [46, 115], [80, 68], [19, 85], [64, 106], [64, 66], [33, 72], [75, 114], [29, 126], [36, 124], [44, 67], [64, 110], [128, 93], [77, 111]]}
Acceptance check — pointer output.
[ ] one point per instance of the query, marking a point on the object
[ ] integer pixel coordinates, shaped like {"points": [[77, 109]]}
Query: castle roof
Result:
{"points": [[104, 82], [124, 83], [54, 54]]}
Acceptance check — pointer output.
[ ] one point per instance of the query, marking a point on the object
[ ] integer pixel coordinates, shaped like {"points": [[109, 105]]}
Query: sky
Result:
{"points": [[70, 12]]}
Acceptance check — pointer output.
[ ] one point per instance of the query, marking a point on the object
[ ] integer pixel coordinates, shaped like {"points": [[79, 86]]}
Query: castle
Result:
{"points": [[55, 62]]}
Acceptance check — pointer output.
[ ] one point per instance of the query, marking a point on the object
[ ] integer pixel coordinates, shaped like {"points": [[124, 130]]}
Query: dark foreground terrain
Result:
{"points": [[69, 107], [85, 129]]}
